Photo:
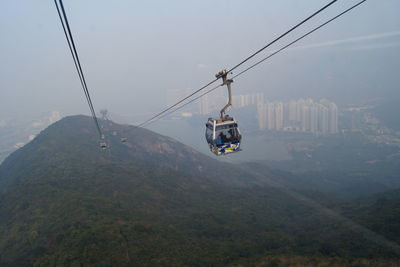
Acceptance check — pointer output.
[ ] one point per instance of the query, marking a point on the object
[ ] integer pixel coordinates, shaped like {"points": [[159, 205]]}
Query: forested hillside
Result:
{"points": [[154, 201]]}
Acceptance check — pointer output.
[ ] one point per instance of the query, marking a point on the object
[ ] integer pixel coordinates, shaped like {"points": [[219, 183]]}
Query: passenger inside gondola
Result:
{"points": [[223, 138], [220, 139]]}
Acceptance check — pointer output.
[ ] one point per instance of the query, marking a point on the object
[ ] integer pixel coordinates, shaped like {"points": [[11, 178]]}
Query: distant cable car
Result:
{"points": [[223, 135], [103, 144]]}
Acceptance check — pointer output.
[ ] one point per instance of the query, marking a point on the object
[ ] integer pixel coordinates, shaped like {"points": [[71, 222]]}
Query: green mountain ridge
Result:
{"points": [[380, 213], [153, 201]]}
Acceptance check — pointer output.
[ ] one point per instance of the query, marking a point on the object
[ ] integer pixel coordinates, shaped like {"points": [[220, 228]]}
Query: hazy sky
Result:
{"points": [[133, 52]]}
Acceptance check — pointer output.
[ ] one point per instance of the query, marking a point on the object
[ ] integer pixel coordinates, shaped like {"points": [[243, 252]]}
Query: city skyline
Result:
{"points": [[301, 115]]}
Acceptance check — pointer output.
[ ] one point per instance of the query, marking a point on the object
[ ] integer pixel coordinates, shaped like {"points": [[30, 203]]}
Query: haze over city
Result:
{"points": [[133, 53]]}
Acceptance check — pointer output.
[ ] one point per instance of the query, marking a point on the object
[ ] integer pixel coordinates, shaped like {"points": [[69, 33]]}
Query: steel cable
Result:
{"points": [[264, 59], [248, 58], [74, 53]]}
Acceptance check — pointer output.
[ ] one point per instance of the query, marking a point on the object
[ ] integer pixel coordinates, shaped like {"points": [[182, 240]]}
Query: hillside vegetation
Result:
{"points": [[154, 201]]}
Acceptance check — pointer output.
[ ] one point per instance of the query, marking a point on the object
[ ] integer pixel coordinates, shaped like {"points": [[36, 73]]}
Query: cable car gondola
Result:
{"points": [[103, 145], [223, 135]]}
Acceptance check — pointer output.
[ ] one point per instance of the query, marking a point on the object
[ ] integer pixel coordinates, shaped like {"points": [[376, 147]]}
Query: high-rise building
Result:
{"points": [[305, 119], [259, 98], [262, 116], [55, 116], [204, 106], [323, 125], [301, 115], [212, 102], [299, 109], [241, 101], [333, 118], [306, 115], [314, 118], [292, 111], [270, 116], [279, 116]]}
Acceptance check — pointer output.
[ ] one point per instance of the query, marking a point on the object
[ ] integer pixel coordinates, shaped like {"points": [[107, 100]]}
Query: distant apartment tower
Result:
{"points": [[299, 109], [279, 116], [241, 101], [259, 98], [262, 116], [304, 115], [323, 120], [305, 119], [270, 116], [299, 115], [204, 108], [212, 102], [333, 118], [314, 111], [293, 111]]}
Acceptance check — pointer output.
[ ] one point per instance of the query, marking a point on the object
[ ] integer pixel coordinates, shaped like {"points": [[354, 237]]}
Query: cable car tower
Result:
{"points": [[223, 135]]}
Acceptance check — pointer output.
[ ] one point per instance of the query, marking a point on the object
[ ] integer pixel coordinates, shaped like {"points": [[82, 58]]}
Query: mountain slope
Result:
{"points": [[74, 140], [152, 201], [380, 213]]}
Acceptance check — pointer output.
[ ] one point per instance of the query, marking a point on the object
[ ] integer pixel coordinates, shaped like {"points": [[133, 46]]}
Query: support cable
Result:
{"points": [[185, 104], [283, 35], [298, 39], [177, 103], [261, 61], [74, 53], [245, 60]]}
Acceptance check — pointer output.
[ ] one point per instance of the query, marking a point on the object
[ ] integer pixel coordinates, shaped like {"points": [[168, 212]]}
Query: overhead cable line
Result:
{"points": [[185, 104], [283, 35], [245, 60], [72, 52], [177, 103], [68, 35], [261, 61], [298, 39]]}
